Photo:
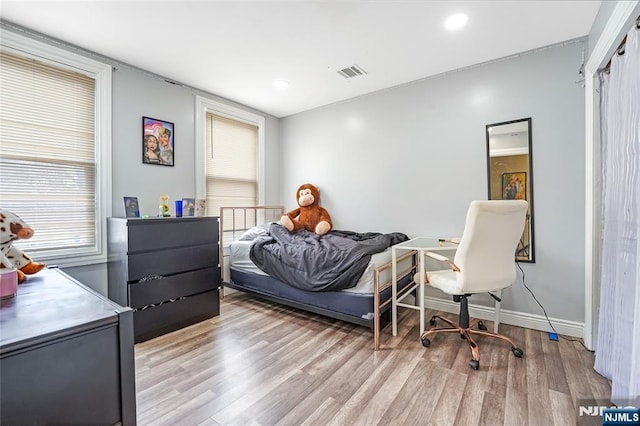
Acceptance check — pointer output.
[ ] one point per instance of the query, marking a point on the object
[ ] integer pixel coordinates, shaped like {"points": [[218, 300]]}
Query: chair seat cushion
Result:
{"points": [[447, 281]]}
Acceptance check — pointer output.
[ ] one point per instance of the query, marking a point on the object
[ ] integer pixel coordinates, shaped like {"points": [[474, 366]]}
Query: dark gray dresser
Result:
{"points": [[66, 355], [166, 269]]}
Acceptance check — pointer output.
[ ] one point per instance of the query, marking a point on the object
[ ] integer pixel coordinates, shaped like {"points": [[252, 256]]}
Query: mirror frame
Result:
{"points": [[529, 196]]}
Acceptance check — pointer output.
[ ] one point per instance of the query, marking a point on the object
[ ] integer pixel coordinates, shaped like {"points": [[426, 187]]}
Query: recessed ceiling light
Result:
{"points": [[281, 84], [456, 21]]}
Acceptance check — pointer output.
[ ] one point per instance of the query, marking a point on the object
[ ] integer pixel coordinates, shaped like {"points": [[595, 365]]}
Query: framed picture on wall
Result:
{"points": [[158, 139], [514, 186]]}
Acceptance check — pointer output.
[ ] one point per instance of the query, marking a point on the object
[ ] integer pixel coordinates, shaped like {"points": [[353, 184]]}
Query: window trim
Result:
{"points": [[102, 74], [204, 106]]}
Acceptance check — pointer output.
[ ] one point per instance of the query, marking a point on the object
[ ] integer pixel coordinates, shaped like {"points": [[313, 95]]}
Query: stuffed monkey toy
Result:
{"points": [[309, 215], [13, 228]]}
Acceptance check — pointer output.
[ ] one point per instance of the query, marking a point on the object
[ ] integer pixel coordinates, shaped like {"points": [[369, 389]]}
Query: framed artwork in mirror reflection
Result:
{"points": [[158, 142], [514, 186]]}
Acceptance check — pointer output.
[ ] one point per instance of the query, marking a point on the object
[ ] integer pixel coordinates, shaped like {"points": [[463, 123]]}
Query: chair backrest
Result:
{"points": [[486, 253]]}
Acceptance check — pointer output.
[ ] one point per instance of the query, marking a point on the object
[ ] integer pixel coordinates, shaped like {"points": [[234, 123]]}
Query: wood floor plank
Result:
{"points": [[517, 367], [353, 408], [421, 409], [576, 372], [317, 414], [538, 401], [563, 409], [382, 390], [260, 363], [286, 397], [189, 410], [600, 386], [492, 412], [553, 364], [537, 383], [471, 400], [516, 407], [209, 422], [498, 365], [345, 358], [419, 389], [539, 409], [450, 400], [236, 402]]}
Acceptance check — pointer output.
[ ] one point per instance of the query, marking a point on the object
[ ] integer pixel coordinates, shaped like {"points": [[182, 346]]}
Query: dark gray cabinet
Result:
{"points": [[66, 355], [166, 269]]}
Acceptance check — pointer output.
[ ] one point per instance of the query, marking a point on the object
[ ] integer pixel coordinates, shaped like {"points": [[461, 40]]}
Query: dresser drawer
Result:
{"points": [[172, 261], [183, 252], [161, 319], [166, 233], [173, 287]]}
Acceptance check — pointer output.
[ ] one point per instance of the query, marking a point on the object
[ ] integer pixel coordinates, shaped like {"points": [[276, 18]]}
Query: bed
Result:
{"points": [[366, 302]]}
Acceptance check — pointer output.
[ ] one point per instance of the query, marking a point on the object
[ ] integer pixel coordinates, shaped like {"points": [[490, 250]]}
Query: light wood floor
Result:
{"points": [[260, 363]]}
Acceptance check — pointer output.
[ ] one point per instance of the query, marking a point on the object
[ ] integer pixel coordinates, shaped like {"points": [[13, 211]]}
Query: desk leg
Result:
{"points": [[421, 289], [496, 318], [394, 292], [376, 312]]}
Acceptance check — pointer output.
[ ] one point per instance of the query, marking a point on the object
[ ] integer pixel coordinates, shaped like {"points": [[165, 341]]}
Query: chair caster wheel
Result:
{"points": [[481, 326], [474, 364], [432, 322], [517, 352], [425, 342]]}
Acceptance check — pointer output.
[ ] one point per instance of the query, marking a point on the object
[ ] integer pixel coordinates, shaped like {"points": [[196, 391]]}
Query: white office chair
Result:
{"points": [[484, 263]]}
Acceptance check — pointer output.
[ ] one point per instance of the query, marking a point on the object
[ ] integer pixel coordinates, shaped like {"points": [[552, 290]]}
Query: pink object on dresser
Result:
{"points": [[8, 282]]}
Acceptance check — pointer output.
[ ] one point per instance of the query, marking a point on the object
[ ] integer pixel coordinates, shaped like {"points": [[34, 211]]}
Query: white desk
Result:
{"points": [[421, 245]]}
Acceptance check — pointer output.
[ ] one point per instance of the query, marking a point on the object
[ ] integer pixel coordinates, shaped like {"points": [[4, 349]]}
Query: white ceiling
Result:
{"points": [[236, 49]]}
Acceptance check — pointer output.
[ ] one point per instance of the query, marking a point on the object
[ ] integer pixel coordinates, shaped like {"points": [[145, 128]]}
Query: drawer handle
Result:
{"points": [[153, 305], [150, 277]]}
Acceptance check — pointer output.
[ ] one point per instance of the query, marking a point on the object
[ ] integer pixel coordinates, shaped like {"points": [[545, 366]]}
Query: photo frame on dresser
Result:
{"points": [[131, 207], [188, 206], [158, 142]]}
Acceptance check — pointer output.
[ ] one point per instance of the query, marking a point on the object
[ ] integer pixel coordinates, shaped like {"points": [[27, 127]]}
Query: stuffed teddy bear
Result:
{"points": [[309, 215], [13, 228]]}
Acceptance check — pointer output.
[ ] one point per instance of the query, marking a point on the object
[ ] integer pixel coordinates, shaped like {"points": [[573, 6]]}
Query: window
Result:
{"points": [[230, 143], [231, 163], [55, 148]]}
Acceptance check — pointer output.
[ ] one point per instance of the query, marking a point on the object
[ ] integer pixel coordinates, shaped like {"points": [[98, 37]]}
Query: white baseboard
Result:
{"points": [[519, 319]]}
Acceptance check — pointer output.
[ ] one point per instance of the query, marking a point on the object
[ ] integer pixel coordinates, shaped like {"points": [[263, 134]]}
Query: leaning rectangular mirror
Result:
{"points": [[509, 173]]}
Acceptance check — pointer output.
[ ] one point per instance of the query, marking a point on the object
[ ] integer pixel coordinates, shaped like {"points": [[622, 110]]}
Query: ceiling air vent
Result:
{"points": [[352, 71]]}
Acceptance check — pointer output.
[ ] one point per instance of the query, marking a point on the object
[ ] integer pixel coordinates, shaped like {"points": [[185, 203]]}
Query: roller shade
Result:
{"points": [[47, 153], [231, 163]]}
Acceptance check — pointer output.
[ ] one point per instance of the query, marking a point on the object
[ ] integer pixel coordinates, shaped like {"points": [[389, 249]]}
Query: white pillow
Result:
{"points": [[255, 232]]}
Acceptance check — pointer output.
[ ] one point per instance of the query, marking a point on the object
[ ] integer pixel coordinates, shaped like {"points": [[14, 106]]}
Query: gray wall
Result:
{"points": [[411, 158], [136, 94]]}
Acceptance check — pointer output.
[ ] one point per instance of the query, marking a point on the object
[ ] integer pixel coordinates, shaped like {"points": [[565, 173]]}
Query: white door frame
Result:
{"points": [[621, 20]]}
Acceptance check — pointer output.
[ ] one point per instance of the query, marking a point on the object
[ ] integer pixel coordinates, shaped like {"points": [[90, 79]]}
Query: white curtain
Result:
{"points": [[618, 344]]}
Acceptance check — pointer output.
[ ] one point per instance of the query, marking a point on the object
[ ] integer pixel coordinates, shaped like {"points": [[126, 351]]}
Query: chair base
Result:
{"points": [[465, 333]]}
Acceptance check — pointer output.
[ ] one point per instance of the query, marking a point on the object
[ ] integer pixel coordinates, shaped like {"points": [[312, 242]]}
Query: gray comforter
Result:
{"points": [[307, 261]]}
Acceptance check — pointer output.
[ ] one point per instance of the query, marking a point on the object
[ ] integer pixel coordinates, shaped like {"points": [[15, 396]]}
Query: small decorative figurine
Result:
{"points": [[163, 209]]}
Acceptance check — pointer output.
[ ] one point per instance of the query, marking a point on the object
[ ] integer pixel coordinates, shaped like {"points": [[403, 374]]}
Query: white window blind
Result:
{"points": [[231, 166], [48, 154]]}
